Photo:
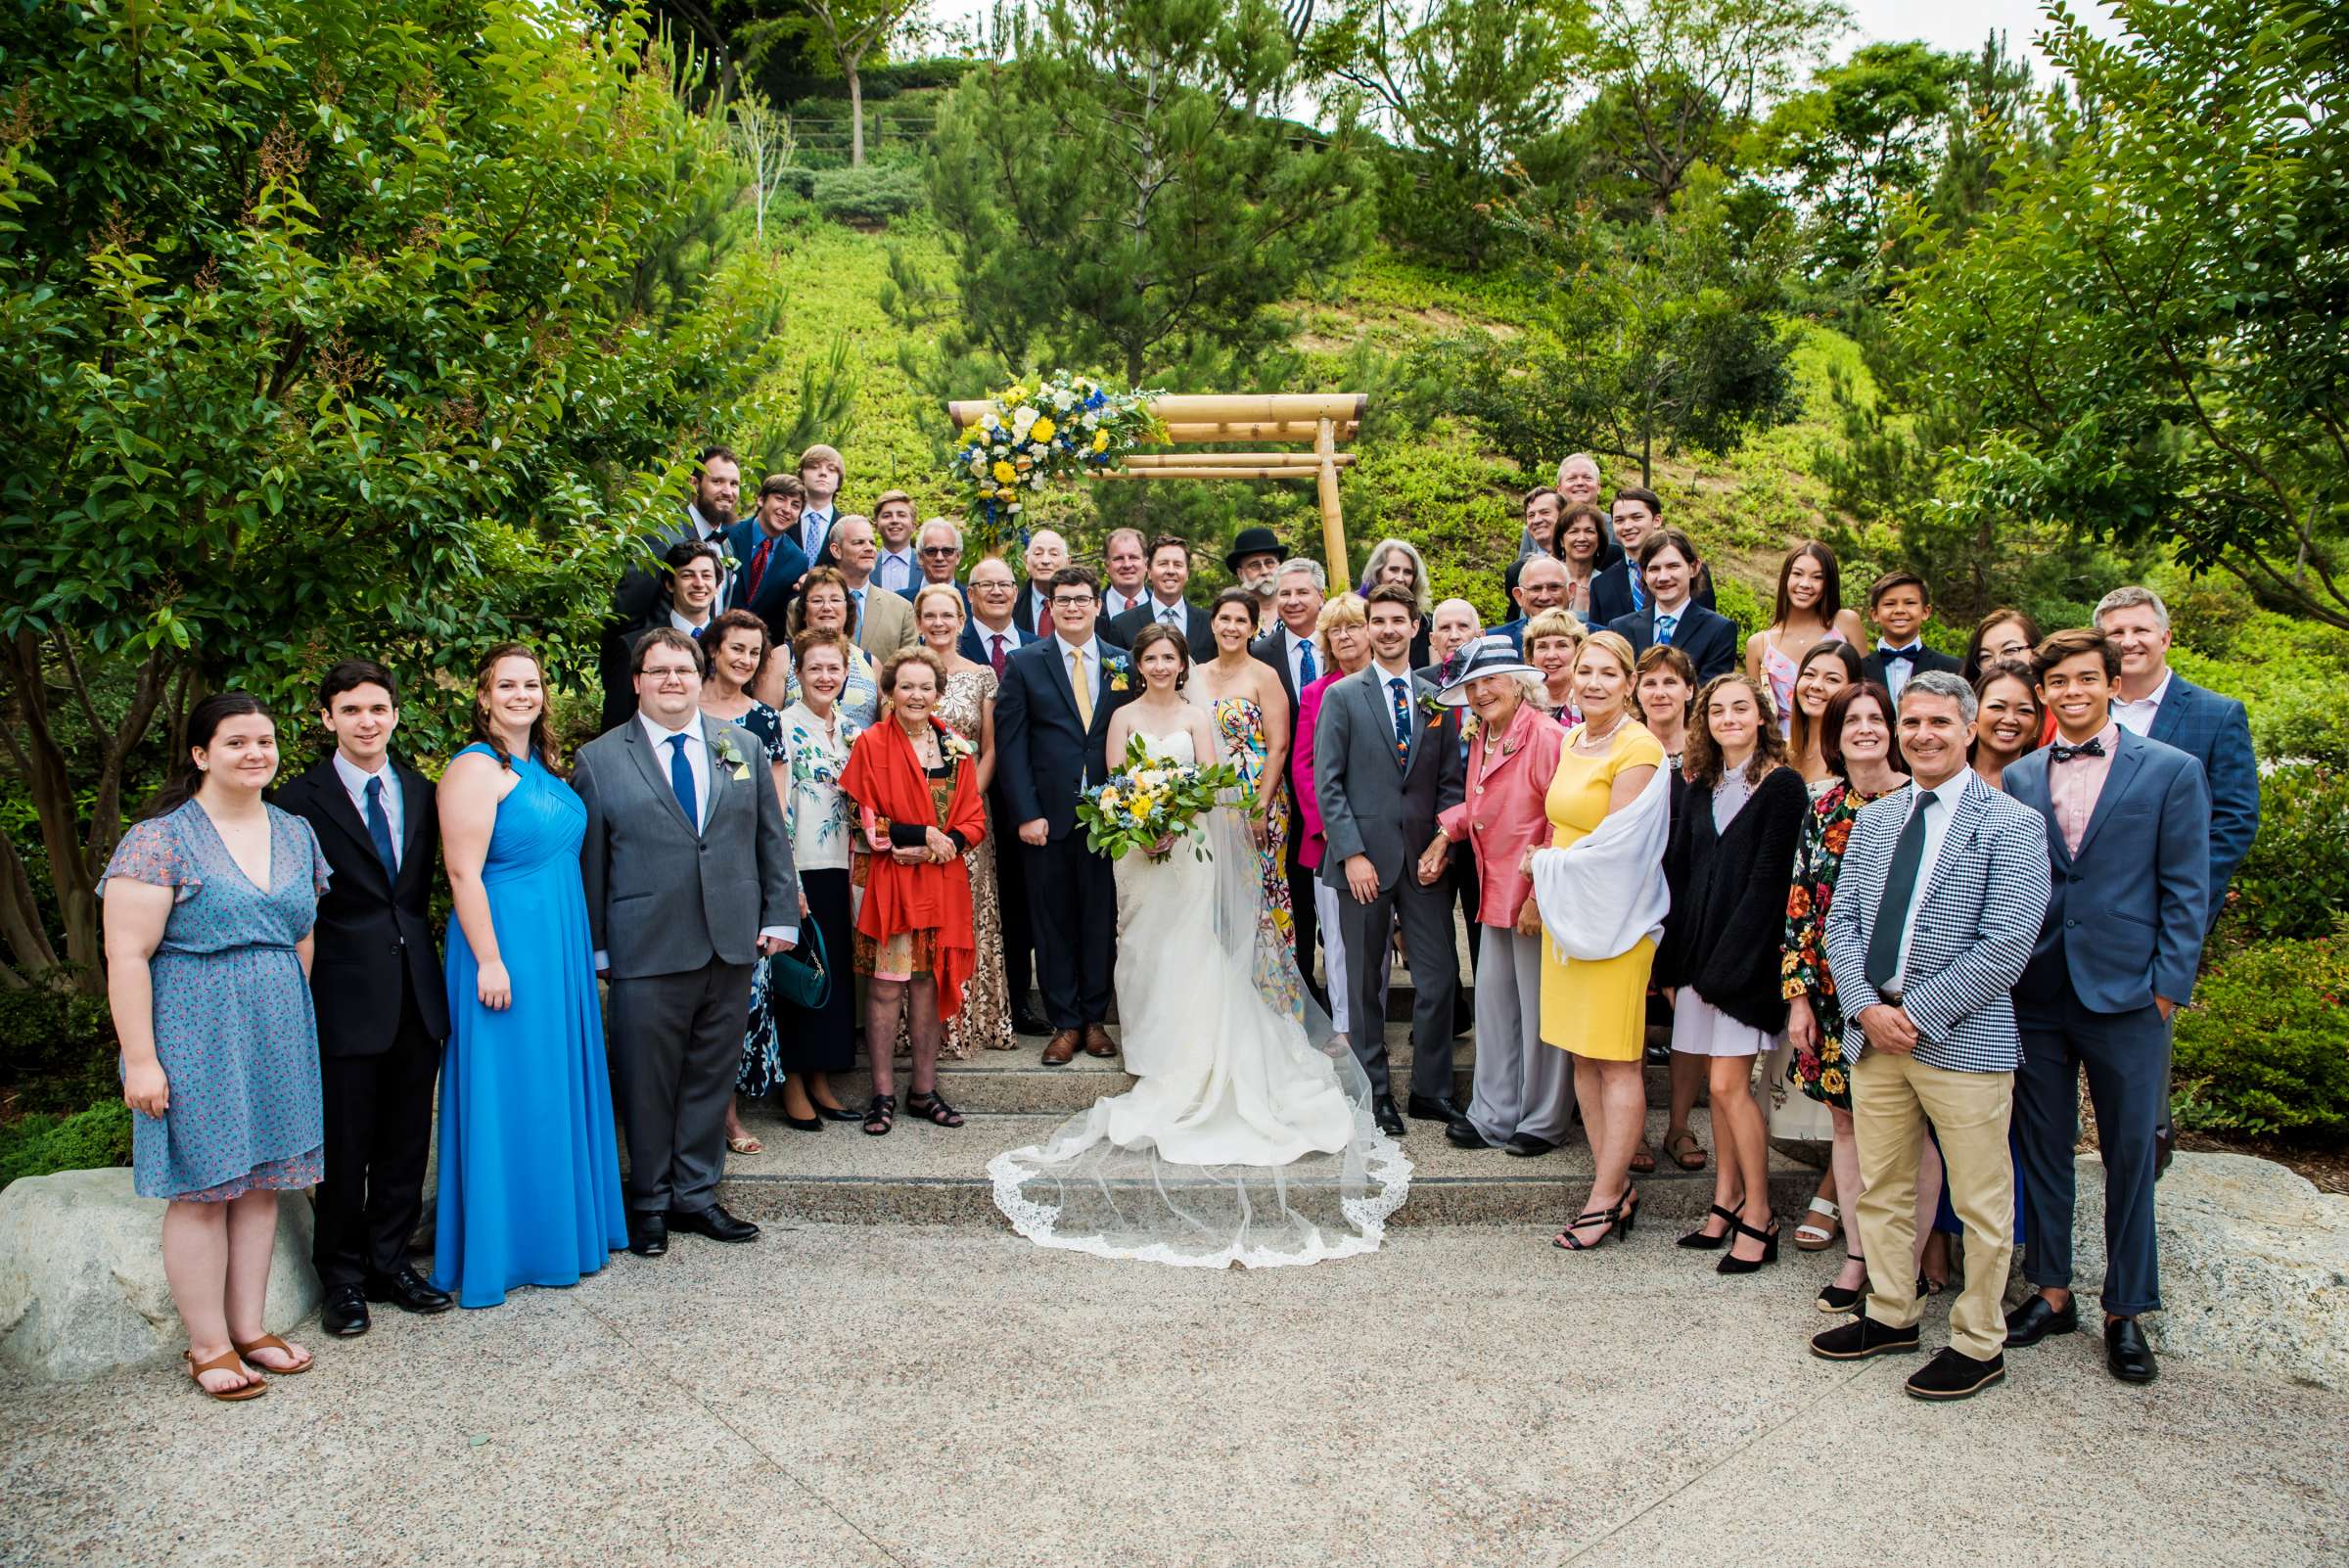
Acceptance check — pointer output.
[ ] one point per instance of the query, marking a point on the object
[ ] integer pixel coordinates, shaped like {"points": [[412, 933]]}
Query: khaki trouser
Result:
{"points": [[1892, 1097]]}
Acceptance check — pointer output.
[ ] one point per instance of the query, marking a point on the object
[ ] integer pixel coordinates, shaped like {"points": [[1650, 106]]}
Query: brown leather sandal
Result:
{"points": [[227, 1362], [246, 1348]]}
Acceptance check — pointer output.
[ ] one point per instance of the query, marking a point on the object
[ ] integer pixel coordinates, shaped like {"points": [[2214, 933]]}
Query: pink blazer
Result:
{"points": [[1301, 772], [1504, 814]]}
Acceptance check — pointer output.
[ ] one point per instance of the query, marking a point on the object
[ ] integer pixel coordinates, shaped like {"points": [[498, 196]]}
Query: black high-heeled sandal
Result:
{"points": [[1619, 1221], [933, 1109], [1731, 1264], [1835, 1301], [1697, 1241], [879, 1116]]}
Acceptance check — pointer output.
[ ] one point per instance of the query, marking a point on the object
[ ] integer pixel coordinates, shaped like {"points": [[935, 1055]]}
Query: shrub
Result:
{"points": [[2265, 1048], [57, 1051], [86, 1141], [2295, 881], [867, 196]]}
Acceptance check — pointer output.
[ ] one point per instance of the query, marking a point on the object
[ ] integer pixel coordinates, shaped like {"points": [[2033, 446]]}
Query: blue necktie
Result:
{"points": [[1665, 625], [1396, 688], [680, 779], [1306, 670], [1639, 593], [379, 827]]}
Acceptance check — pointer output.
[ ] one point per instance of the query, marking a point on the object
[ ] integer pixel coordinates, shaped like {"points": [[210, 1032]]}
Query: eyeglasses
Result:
{"points": [[663, 671], [1062, 601], [942, 549]]}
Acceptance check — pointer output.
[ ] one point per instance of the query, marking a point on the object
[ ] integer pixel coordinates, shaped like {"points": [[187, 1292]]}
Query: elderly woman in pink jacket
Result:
{"points": [[1341, 646], [1522, 1095]]}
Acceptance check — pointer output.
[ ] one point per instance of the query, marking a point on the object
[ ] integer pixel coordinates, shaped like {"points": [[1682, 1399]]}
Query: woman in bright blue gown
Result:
{"points": [[529, 1164]]}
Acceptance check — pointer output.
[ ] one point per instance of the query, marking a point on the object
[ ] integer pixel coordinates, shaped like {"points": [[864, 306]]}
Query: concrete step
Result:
{"points": [[925, 1175]]}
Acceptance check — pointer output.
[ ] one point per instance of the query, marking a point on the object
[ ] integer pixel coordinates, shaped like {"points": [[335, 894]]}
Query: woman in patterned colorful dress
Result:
{"points": [[1250, 715], [738, 650], [1863, 761], [968, 708], [209, 903]]}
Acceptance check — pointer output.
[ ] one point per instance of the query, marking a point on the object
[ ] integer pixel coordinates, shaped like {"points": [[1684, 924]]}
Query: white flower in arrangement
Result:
{"points": [[1089, 422], [1020, 418]]}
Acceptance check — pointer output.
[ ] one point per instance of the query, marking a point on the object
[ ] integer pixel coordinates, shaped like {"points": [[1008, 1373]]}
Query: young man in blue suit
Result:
{"points": [[2129, 857], [1669, 565], [1051, 736], [2156, 702], [768, 560]]}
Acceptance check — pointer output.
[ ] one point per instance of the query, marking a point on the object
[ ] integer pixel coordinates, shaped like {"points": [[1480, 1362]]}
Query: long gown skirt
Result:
{"points": [[824, 1040], [530, 1166]]}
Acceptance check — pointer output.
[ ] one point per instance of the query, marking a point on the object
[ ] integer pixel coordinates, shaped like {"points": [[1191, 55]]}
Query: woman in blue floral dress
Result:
{"points": [[209, 903], [737, 651]]}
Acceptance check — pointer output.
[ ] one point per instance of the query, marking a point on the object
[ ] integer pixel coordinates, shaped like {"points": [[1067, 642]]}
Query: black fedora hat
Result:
{"points": [[1252, 542]]}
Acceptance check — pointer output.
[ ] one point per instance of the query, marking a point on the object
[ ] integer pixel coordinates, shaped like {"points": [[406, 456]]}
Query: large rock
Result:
{"points": [[2254, 1265], [81, 1275]]}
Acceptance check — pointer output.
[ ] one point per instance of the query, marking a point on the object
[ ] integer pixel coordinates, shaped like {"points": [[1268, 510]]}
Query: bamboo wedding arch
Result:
{"points": [[1319, 423]]}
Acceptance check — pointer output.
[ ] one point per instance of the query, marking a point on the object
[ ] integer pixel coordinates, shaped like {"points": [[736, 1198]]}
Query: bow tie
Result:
{"points": [[1909, 653], [2060, 752]]}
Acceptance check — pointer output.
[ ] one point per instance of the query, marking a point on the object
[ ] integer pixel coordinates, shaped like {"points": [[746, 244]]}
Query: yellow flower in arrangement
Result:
{"points": [[1056, 428], [1004, 473], [1100, 440], [1040, 431], [1142, 806]]}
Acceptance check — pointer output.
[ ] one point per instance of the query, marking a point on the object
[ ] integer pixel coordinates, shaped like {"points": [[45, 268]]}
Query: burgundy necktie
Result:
{"points": [[995, 657], [758, 568]]}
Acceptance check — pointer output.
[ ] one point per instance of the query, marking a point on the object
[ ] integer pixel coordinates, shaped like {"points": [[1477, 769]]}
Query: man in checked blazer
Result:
{"points": [[1943, 889]]}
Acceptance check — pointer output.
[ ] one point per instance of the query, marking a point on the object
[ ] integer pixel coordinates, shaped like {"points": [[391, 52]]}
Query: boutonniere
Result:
{"points": [[729, 751], [1116, 669], [1468, 730], [1429, 705], [956, 748]]}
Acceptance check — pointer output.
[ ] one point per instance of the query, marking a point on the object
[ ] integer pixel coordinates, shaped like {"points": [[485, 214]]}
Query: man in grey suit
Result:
{"points": [[1383, 767], [2128, 872], [1941, 888], [689, 884]]}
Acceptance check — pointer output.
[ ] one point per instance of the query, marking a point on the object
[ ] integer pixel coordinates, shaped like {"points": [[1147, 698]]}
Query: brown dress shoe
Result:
{"points": [[1062, 1049], [1097, 1041]]}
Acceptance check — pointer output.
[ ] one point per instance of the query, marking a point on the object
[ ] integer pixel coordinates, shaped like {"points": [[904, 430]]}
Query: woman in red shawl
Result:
{"points": [[915, 783]]}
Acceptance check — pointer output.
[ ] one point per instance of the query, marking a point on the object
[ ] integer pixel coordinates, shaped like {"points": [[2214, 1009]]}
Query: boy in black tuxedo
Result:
{"points": [[1900, 604], [383, 1008]]}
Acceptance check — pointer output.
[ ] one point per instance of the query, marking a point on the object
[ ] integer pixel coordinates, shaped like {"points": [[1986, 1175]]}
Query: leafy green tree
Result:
{"points": [[1115, 199], [330, 326], [845, 35], [2145, 327], [1868, 131]]}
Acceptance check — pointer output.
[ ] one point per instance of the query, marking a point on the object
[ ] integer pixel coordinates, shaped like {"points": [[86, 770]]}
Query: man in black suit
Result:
{"points": [[1299, 589], [1900, 604], [1668, 564], [1048, 553], [770, 563], [1051, 733], [1170, 575], [691, 583], [1540, 585], [383, 1008], [1618, 590], [990, 637], [708, 517]]}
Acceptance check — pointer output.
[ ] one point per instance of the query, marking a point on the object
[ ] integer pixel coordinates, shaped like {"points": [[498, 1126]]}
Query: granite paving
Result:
{"points": [[866, 1394]]}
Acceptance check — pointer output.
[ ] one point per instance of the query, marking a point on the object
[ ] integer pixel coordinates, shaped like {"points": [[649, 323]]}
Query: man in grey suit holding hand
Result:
{"points": [[689, 884]]}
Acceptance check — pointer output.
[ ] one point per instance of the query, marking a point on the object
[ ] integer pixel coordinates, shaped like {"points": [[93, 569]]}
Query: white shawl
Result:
{"points": [[1600, 895]]}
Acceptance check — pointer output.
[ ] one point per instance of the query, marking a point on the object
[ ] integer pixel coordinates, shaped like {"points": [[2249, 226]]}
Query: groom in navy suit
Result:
{"points": [[1051, 736]]}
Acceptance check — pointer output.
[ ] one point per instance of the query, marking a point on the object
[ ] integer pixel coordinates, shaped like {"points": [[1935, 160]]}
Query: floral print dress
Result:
{"points": [[1824, 1074], [1240, 732]]}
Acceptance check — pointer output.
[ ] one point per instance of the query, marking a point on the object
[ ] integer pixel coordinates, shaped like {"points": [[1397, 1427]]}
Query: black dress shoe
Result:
{"points": [[1389, 1119], [2127, 1355], [1954, 1375], [1024, 1022], [1463, 1135], [648, 1235], [803, 1124], [1437, 1109], [1526, 1146], [713, 1222], [408, 1291], [2034, 1320], [839, 1113], [344, 1314], [1860, 1338]]}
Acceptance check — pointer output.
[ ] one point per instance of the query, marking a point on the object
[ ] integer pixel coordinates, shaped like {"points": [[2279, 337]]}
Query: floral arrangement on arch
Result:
{"points": [[1060, 429]]}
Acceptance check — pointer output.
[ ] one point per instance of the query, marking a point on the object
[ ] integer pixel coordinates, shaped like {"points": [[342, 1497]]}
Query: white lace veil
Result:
{"points": [[1247, 1141]]}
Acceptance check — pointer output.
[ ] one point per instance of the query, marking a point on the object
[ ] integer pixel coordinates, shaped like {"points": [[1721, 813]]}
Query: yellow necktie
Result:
{"points": [[1084, 693]]}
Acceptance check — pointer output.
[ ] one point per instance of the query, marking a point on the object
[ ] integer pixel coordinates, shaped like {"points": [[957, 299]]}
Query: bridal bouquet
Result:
{"points": [[1149, 799]]}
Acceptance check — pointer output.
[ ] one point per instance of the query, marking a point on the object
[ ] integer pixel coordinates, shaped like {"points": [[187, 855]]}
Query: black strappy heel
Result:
{"points": [[879, 1116], [1697, 1241], [1731, 1264], [1619, 1221], [933, 1109]]}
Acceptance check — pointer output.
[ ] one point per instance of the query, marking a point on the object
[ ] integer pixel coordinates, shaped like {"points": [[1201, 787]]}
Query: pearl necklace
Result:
{"points": [[1588, 739]]}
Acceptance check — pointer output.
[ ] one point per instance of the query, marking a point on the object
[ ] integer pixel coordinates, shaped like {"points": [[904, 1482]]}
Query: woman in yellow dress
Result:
{"points": [[1600, 892]]}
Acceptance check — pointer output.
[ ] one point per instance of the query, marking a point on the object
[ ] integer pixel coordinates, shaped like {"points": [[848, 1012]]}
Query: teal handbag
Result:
{"points": [[800, 975]]}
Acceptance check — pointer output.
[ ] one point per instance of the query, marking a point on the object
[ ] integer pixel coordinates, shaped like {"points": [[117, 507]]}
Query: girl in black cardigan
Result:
{"points": [[1731, 853]]}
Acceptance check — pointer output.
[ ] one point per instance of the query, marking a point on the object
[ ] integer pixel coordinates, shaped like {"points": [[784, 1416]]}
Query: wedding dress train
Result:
{"points": [[1247, 1141]]}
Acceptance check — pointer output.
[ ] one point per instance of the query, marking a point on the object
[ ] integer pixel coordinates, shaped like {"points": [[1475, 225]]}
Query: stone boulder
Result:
{"points": [[83, 1291], [2254, 1266]]}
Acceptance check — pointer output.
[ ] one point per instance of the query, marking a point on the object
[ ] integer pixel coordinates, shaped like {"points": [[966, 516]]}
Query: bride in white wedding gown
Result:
{"points": [[1247, 1141]]}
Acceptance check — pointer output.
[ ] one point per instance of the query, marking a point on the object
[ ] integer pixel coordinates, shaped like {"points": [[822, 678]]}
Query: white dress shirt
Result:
{"points": [[1946, 796], [897, 569], [1040, 612], [708, 533], [1116, 601], [691, 628], [2138, 716], [355, 778], [987, 635], [697, 758], [1088, 654], [815, 526], [1177, 614]]}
